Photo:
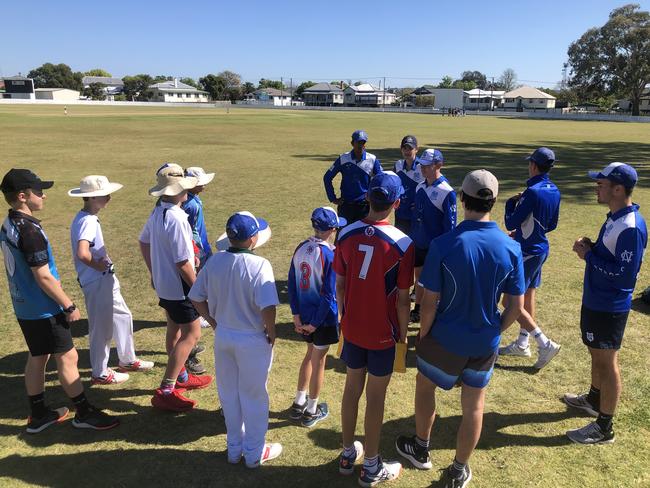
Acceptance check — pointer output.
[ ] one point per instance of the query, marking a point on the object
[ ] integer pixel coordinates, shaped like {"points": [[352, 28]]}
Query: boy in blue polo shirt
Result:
{"points": [[312, 295], [409, 171], [530, 216], [465, 273], [611, 268], [434, 214], [193, 207]]}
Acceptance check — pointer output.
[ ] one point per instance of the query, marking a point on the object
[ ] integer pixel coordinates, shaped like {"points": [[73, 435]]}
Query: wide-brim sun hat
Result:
{"points": [[199, 173], [94, 186], [172, 181], [245, 218]]}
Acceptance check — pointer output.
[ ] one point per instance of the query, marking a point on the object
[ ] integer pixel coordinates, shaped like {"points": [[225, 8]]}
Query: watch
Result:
{"points": [[70, 309]]}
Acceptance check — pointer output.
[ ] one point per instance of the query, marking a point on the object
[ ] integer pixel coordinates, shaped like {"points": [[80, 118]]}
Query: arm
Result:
{"points": [[145, 250], [187, 271], [52, 288], [552, 225], [327, 292], [428, 309], [268, 317], [514, 308], [403, 311], [340, 293], [204, 311], [85, 256], [293, 298], [518, 210], [327, 180]]}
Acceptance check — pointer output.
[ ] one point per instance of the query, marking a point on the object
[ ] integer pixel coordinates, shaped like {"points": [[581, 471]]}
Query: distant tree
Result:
{"points": [[95, 91], [98, 72], [567, 95], [162, 78], [479, 79], [120, 97], [214, 85], [464, 85], [189, 81], [302, 87], [232, 84], [264, 83], [508, 80], [56, 76], [446, 82], [247, 87], [136, 88], [424, 100], [613, 59]]}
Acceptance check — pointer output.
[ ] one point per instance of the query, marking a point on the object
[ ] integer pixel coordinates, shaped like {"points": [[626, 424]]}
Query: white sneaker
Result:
{"points": [[110, 378], [346, 464], [137, 365], [546, 353], [513, 349], [204, 323], [388, 471], [270, 451]]}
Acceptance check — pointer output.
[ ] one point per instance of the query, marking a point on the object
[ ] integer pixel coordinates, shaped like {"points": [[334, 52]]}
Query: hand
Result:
{"points": [[511, 234], [338, 201], [73, 317], [308, 329], [297, 324], [516, 197], [212, 322], [270, 334], [581, 248]]}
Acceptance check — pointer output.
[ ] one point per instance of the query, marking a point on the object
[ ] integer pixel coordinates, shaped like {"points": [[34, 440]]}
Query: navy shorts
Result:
{"points": [[377, 362], [444, 368], [420, 257], [180, 311], [533, 270], [325, 335], [47, 336], [403, 224], [602, 330]]}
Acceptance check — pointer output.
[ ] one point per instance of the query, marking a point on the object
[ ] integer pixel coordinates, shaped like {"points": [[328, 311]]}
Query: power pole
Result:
{"points": [[383, 96]]}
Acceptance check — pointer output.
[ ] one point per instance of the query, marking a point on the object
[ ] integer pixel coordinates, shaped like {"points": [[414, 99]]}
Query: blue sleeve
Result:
{"points": [[517, 212], [552, 225], [623, 270], [329, 176], [328, 291], [376, 169], [449, 220], [431, 277], [291, 288], [515, 283], [192, 212]]}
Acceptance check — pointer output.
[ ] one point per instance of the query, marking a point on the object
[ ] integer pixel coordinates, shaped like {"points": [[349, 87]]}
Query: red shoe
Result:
{"points": [[194, 382], [173, 401]]}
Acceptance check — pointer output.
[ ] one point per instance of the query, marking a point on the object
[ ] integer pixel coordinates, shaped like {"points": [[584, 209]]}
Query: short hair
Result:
{"points": [[85, 199], [477, 204], [543, 167], [12, 196], [376, 205], [628, 191]]}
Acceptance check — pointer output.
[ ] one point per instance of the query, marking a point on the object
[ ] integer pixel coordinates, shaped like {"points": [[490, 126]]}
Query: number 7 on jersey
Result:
{"points": [[367, 258]]}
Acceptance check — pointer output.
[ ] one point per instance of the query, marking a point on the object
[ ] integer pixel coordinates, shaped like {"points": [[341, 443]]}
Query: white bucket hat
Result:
{"points": [[94, 186], [172, 181], [199, 173]]}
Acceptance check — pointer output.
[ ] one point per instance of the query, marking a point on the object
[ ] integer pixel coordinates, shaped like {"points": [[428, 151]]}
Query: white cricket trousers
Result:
{"points": [[242, 361], [108, 318]]}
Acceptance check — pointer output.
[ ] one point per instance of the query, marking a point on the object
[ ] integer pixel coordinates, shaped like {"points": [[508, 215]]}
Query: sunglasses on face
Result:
{"points": [[38, 193]]}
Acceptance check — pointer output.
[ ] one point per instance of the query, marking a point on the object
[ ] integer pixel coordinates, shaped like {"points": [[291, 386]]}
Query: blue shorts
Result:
{"points": [[377, 362], [533, 270]]}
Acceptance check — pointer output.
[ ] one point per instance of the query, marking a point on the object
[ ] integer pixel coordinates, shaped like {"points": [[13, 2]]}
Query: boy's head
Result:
{"points": [[409, 147], [325, 221], [479, 191], [172, 183], [21, 187], [95, 190], [430, 161], [542, 160], [245, 231], [202, 177], [359, 139], [384, 192], [614, 182]]}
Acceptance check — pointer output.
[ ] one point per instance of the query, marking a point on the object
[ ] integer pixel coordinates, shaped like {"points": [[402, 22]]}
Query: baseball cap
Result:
{"points": [[619, 173], [542, 156], [431, 156], [480, 184], [200, 174], [359, 135], [326, 218], [409, 141], [172, 181], [22, 179], [385, 187]]}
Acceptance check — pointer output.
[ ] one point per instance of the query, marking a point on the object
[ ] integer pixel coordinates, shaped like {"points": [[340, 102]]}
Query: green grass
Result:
{"points": [[271, 163]]}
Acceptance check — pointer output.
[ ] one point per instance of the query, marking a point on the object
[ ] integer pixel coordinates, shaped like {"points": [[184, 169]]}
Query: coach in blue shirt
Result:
{"points": [[356, 168], [611, 269], [410, 172], [465, 273]]}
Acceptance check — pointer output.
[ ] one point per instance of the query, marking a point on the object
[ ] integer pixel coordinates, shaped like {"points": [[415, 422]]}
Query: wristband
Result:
{"points": [[70, 309]]}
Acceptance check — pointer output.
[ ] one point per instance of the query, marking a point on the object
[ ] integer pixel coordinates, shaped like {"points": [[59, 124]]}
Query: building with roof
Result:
{"points": [[57, 94], [528, 98], [19, 87], [478, 99], [174, 91], [112, 86], [323, 94], [270, 96], [366, 95]]}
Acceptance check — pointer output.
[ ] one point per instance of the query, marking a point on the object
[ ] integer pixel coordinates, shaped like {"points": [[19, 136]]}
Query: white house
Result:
{"points": [[57, 94], [366, 95], [478, 99], [271, 96], [174, 91], [112, 86], [528, 98], [323, 94]]}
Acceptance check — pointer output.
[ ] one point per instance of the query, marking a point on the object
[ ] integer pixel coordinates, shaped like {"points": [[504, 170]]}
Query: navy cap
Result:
{"points": [[385, 187], [326, 218], [409, 141], [542, 156], [359, 135], [22, 179], [244, 225], [619, 173], [431, 156]]}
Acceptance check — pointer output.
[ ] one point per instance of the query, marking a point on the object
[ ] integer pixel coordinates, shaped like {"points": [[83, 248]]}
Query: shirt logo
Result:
{"points": [[310, 249], [626, 256], [370, 231], [590, 336]]}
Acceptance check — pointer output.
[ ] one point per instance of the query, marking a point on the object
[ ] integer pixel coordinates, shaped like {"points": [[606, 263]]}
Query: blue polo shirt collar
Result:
{"points": [[436, 182], [363, 156], [537, 179], [476, 224], [624, 211]]}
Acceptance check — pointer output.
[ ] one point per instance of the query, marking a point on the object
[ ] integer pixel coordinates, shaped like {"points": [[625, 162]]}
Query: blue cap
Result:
{"points": [[385, 187], [326, 218], [409, 141], [431, 156], [542, 156], [244, 225], [619, 173], [359, 135]]}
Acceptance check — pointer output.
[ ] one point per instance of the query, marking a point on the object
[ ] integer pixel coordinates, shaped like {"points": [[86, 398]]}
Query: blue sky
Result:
{"points": [[410, 42]]}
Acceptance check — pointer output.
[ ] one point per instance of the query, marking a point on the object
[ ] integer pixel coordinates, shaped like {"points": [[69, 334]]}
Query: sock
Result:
{"points": [[301, 397], [605, 422], [593, 397], [167, 385], [457, 468], [81, 404], [416, 308], [424, 444], [542, 340], [522, 338], [350, 451], [183, 376], [312, 403], [371, 464], [37, 404]]}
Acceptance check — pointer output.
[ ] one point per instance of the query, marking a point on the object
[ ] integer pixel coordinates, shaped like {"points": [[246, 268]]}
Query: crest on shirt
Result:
{"points": [[626, 256], [370, 231], [590, 336], [310, 249]]}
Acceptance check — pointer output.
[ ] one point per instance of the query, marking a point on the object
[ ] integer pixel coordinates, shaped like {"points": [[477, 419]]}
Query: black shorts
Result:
{"points": [[353, 211], [420, 257], [323, 336], [403, 224], [602, 330], [180, 311], [47, 336]]}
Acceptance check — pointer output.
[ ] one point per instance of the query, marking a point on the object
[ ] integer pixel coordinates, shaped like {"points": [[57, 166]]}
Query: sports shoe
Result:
{"points": [[513, 349], [346, 464], [387, 471], [296, 410], [414, 316], [462, 482], [204, 323], [196, 350], [270, 451], [95, 419], [194, 382], [408, 448], [581, 403], [53, 416], [137, 365], [193, 365], [311, 419], [546, 353], [174, 401], [591, 434], [110, 378]]}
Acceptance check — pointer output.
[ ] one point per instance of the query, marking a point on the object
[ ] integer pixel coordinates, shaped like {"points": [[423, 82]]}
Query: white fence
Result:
{"points": [[18, 101]]}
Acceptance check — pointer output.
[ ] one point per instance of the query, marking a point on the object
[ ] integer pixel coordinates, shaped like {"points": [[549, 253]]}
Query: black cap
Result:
{"points": [[22, 179], [409, 141]]}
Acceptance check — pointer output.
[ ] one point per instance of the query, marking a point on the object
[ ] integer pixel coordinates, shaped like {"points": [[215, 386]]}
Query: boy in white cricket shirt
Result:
{"points": [[235, 291], [108, 315]]}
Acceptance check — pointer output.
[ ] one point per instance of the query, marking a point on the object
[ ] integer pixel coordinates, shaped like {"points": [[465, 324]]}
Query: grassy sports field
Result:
{"points": [[271, 163]]}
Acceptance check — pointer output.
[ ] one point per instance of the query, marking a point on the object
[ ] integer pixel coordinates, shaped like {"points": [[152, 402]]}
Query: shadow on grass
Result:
{"points": [[80, 328], [283, 291], [638, 305]]}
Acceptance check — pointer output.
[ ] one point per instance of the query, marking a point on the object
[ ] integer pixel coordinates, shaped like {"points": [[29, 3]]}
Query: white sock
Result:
{"points": [[542, 340], [301, 396], [522, 338], [312, 403]]}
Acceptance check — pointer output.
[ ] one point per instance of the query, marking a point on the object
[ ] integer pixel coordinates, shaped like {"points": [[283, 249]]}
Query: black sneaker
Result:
{"points": [[311, 419], [296, 410], [58, 415], [408, 448], [194, 366], [461, 482], [196, 350], [95, 419], [415, 316]]}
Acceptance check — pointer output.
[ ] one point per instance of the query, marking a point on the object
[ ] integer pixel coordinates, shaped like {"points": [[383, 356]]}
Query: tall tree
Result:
{"points": [[232, 84], [189, 81], [446, 82], [508, 79], [56, 76], [613, 59], [247, 88], [479, 79], [136, 88], [214, 85], [98, 72], [300, 89], [264, 83], [95, 91], [464, 84], [162, 78]]}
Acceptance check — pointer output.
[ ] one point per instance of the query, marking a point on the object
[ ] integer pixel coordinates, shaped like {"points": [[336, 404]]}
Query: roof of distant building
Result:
{"points": [[528, 92], [104, 80], [272, 92], [323, 88], [174, 86]]}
